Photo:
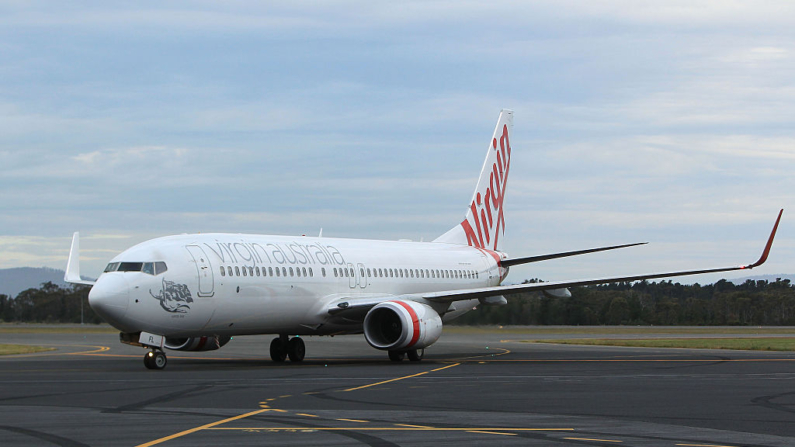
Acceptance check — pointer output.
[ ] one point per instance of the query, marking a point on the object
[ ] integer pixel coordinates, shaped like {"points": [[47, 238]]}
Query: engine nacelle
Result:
{"points": [[402, 325], [205, 343]]}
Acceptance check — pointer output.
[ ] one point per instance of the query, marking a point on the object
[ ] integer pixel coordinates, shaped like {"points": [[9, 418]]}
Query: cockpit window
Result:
{"points": [[160, 267], [150, 268], [130, 266]]}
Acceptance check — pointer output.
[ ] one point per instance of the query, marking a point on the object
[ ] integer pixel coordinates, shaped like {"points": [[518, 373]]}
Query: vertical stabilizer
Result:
{"points": [[485, 223]]}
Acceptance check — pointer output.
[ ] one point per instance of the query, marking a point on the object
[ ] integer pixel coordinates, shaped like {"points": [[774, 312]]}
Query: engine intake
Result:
{"points": [[402, 325], [210, 343]]}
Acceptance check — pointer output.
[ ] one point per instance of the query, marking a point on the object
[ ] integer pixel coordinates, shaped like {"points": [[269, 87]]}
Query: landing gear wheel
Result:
{"points": [[155, 360], [277, 353], [160, 360], [396, 356], [415, 355], [296, 349]]}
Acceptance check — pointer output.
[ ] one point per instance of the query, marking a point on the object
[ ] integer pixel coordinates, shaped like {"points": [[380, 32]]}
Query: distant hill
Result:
{"points": [[768, 278], [15, 280]]}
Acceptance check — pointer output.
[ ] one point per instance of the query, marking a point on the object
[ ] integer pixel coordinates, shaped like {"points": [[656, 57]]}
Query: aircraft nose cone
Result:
{"points": [[110, 297]]}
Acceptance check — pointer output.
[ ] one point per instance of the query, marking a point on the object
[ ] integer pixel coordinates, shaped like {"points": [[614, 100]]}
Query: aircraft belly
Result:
{"points": [[264, 309]]}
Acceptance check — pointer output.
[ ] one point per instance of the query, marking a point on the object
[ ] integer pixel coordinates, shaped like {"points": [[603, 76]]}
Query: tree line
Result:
{"points": [[758, 303], [50, 303]]}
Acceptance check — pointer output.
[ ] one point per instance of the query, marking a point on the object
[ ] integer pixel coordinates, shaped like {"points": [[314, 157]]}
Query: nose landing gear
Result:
{"points": [[155, 359], [283, 347]]}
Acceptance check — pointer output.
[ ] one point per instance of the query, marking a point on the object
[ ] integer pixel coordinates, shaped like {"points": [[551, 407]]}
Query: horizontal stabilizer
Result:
{"points": [[529, 259]]}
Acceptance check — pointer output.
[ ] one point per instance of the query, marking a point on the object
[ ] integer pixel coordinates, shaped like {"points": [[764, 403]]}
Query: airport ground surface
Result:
{"points": [[471, 389]]}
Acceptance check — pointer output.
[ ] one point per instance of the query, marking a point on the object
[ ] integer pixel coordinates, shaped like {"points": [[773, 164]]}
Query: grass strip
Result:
{"points": [[55, 329], [619, 330], [744, 344], [22, 349]]}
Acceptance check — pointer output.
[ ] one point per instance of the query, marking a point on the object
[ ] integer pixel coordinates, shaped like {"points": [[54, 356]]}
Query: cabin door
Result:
{"points": [[204, 270]]}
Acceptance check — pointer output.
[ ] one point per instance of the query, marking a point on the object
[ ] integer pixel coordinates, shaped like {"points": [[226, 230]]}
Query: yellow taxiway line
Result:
{"points": [[401, 378]]}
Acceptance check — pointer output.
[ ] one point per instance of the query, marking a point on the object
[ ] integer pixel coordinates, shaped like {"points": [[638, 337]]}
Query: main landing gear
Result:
{"points": [[414, 355], [155, 359], [283, 347]]}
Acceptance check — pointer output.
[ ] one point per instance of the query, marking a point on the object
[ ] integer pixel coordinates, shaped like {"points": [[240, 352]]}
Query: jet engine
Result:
{"points": [[402, 325], [205, 343]]}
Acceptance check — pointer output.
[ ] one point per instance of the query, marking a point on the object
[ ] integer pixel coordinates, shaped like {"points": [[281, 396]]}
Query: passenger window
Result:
{"points": [[361, 272], [291, 271], [347, 273], [229, 270], [270, 271], [368, 273], [284, 271], [323, 271], [412, 272], [427, 273], [380, 273], [245, 271], [311, 275], [223, 271], [278, 273], [256, 269], [401, 272], [391, 273], [237, 271], [335, 272]]}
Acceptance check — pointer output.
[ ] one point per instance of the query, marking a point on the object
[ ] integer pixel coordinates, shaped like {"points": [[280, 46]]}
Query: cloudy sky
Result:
{"points": [[668, 122]]}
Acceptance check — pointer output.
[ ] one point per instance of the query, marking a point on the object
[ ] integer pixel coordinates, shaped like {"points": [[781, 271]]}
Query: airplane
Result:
{"points": [[194, 292]]}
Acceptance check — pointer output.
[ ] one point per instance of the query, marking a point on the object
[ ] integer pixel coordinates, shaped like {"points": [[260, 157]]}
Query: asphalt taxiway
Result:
{"points": [[471, 389]]}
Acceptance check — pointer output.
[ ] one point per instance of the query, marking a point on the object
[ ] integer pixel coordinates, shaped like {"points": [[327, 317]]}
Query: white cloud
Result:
{"points": [[634, 120]]}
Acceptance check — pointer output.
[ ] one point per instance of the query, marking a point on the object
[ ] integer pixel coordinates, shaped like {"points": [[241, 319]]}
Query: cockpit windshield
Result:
{"points": [[150, 268]]}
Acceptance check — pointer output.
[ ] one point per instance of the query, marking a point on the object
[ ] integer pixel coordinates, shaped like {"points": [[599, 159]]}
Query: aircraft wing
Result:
{"points": [[467, 294], [355, 308]]}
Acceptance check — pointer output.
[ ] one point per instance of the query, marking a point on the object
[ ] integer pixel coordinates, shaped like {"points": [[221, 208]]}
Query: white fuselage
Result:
{"points": [[234, 284]]}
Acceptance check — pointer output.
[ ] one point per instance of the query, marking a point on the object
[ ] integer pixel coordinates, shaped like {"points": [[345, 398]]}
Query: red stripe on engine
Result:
{"points": [[202, 341], [414, 321]]}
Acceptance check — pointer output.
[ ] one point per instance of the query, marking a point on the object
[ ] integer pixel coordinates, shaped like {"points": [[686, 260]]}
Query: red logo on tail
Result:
{"points": [[487, 213]]}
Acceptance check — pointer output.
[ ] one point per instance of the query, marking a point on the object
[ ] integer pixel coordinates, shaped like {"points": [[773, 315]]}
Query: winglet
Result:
{"points": [[765, 253], [72, 274]]}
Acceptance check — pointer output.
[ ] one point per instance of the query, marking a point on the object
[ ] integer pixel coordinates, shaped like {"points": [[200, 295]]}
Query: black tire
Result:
{"points": [[296, 349], [159, 360], [277, 353], [396, 356], [148, 360], [415, 355]]}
